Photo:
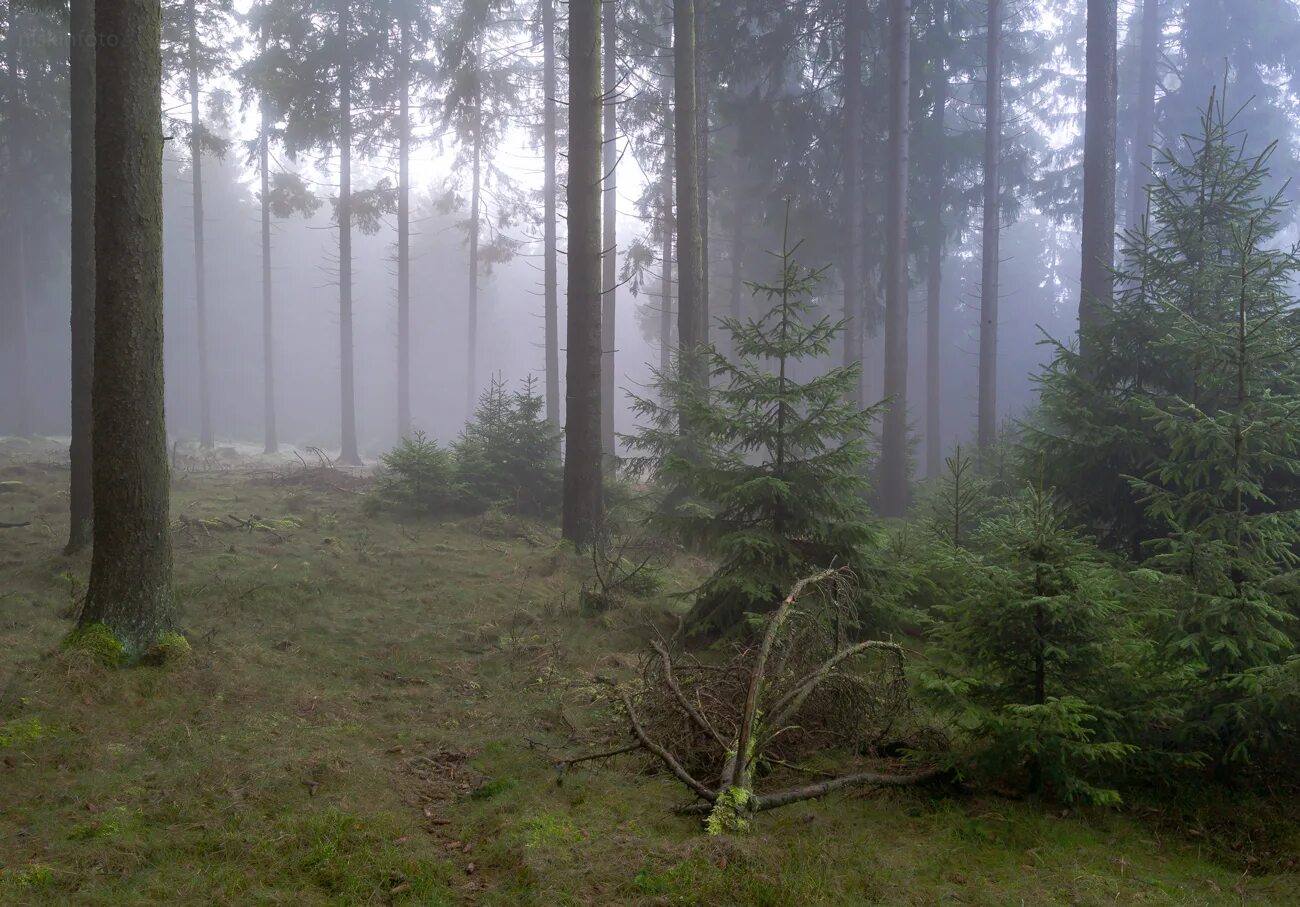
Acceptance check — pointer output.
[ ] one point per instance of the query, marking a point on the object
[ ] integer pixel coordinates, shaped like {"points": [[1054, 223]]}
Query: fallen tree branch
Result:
{"points": [[664, 756], [792, 701], [690, 710], [763, 802], [591, 757]]}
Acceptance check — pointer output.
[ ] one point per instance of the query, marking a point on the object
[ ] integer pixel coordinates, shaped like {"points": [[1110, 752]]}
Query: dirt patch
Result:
{"points": [[434, 778]]}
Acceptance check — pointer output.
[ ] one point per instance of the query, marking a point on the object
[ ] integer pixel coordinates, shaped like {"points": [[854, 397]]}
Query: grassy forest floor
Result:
{"points": [[371, 714]]}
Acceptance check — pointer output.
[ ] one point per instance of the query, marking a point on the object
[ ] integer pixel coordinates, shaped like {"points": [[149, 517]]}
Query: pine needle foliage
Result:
{"points": [[1025, 652], [1230, 440], [1176, 437], [418, 476], [959, 500], [768, 477], [506, 455], [1181, 266]]}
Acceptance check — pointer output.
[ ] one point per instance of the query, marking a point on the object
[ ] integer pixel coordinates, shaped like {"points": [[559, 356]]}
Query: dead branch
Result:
{"points": [[690, 710], [592, 757], [664, 756], [799, 694]]}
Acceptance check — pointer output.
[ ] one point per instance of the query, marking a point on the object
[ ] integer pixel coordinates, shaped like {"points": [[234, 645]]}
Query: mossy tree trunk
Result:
{"points": [[130, 589], [583, 491], [82, 57]]}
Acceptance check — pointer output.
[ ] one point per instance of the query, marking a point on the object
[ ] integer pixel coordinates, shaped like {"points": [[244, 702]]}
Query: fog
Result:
{"points": [[1039, 277]]}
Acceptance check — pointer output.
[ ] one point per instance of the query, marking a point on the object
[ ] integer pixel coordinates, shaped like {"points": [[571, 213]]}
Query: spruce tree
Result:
{"points": [[769, 478], [1025, 653], [1092, 429], [506, 454], [1229, 444]]}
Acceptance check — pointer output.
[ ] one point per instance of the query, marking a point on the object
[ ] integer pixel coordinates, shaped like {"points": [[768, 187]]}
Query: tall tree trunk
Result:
{"points": [[610, 243], [737, 288], [893, 455], [475, 216], [934, 279], [271, 435], [22, 336], [1144, 133], [691, 315], [130, 589], [1098, 238], [206, 438], [667, 189], [583, 491], [404, 231], [987, 419], [854, 200], [350, 456], [82, 94], [551, 276], [17, 176], [703, 80]]}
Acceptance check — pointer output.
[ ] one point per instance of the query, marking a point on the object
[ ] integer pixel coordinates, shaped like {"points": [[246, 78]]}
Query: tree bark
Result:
{"points": [[1144, 133], [1098, 236], [893, 456], [854, 199], [206, 438], [703, 80], [934, 279], [270, 433], [550, 255], [82, 94], [988, 363], [20, 374], [666, 312], [350, 456], [130, 589], [691, 315], [610, 243], [404, 229], [583, 491]]}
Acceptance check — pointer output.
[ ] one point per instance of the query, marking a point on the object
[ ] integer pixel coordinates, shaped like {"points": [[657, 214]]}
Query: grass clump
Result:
{"points": [[98, 642], [17, 732]]}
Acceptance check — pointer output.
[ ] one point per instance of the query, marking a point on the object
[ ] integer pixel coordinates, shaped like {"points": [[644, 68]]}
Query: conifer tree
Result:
{"points": [[506, 454], [773, 484], [1025, 653], [1229, 444]]}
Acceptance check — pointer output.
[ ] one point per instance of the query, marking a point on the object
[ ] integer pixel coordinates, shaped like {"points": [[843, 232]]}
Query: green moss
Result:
{"points": [[14, 733], [550, 831], [493, 787], [36, 875], [170, 647], [97, 641]]}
